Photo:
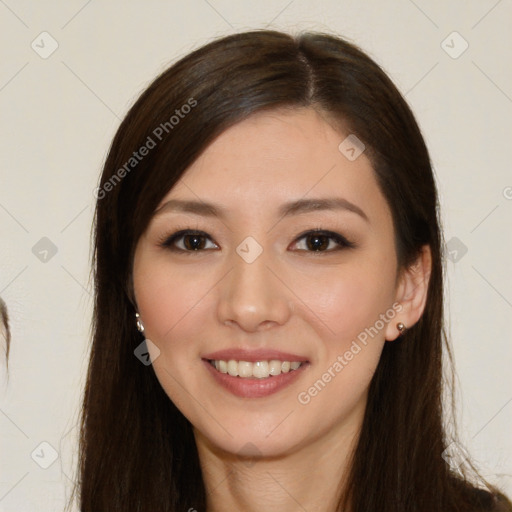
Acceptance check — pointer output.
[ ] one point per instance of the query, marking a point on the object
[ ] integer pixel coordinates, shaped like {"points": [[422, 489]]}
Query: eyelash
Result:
{"points": [[167, 241]]}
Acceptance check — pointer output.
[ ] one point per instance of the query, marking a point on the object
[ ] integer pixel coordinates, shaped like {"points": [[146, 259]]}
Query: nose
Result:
{"points": [[252, 297]]}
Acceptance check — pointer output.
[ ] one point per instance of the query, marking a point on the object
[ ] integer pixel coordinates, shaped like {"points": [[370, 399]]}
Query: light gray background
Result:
{"points": [[60, 113]]}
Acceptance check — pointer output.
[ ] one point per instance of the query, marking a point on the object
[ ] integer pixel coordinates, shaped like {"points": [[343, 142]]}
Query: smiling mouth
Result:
{"points": [[257, 369]]}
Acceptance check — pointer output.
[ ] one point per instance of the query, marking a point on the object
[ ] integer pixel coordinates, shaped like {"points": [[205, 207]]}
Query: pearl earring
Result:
{"points": [[140, 326], [401, 327]]}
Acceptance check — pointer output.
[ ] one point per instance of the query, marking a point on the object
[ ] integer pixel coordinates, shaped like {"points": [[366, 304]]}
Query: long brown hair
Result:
{"points": [[137, 451]]}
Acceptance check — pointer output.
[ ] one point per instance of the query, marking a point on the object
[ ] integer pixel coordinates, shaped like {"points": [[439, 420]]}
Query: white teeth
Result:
{"points": [[244, 369], [232, 368], [274, 367], [258, 369]]}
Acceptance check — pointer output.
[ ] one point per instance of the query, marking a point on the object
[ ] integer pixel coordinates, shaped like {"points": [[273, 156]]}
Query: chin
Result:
{"points": [[251, 443]]}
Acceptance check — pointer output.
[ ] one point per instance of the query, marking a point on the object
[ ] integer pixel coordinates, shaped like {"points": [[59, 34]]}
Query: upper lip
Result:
{"points": [[253, 355]]}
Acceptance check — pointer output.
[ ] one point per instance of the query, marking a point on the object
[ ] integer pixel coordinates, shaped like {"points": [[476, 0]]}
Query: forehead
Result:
{"points": [[277, 156]]}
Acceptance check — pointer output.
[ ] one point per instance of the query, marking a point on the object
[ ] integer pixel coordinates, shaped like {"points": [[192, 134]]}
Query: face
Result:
{"points": [[273, 250]]}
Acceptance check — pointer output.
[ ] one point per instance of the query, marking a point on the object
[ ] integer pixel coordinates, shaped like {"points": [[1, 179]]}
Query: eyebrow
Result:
{"points": [[288, 209]]}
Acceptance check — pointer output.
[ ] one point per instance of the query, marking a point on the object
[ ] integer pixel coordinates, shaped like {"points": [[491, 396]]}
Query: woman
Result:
{"points": [[267, 236]]}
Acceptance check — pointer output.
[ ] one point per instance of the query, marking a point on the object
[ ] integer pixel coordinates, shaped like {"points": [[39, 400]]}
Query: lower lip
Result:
{"points": [[253, 387]]}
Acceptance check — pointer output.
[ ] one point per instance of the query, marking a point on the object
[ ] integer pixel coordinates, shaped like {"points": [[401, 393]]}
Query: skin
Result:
{"points": [[274, 453]]}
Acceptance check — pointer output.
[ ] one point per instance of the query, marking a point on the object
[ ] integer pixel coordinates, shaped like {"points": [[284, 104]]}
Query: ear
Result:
{"points": [[411, 292]]}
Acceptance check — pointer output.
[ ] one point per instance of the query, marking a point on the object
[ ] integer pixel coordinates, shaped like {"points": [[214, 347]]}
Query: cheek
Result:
{"points": [[172, 305], [352, 338], [167, 298], [346, 302]]}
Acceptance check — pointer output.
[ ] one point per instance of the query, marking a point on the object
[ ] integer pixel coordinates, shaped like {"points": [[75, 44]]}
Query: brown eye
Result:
{"points": [[194, 242], [187, 241], [317, 242], [322, 241]]}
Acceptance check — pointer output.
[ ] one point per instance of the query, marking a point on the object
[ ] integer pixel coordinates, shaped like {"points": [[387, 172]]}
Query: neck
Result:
{"points": [[311, 477]]}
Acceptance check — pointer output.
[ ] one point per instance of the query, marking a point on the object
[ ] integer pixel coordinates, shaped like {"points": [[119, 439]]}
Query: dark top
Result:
{"points": [[487, 502]]}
